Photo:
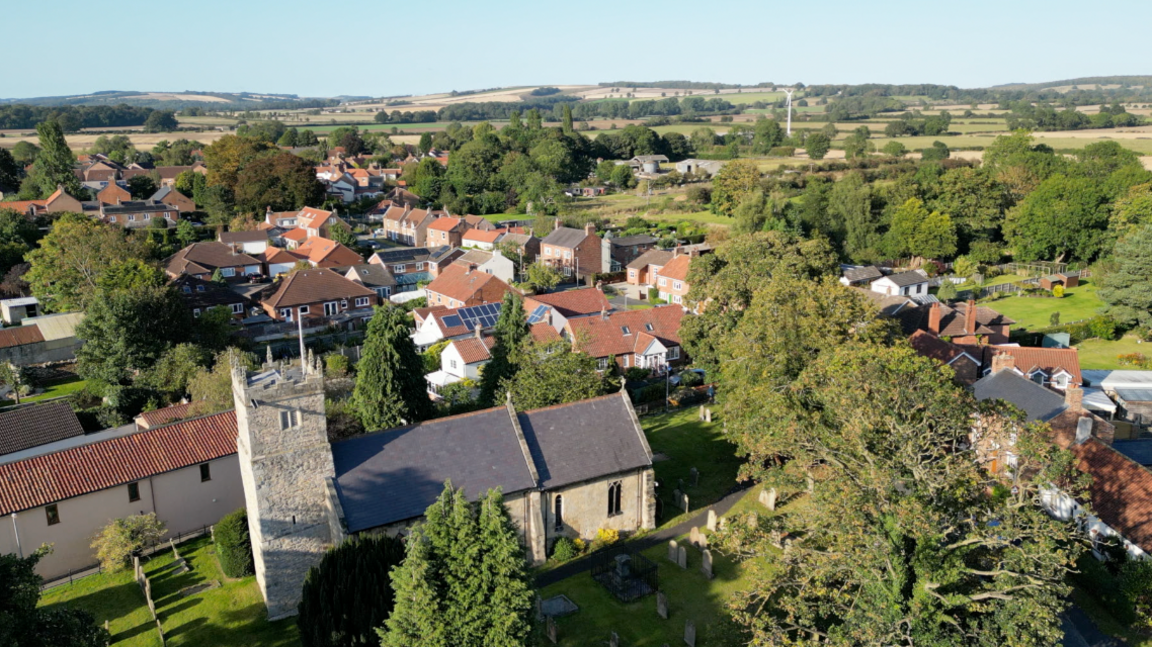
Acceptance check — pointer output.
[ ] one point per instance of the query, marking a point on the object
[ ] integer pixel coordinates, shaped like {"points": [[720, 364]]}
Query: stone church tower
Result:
{"points": [[285, 465]]}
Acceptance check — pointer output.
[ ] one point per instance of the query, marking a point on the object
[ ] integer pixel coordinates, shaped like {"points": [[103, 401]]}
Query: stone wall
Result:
{"points": [[585, 506]]}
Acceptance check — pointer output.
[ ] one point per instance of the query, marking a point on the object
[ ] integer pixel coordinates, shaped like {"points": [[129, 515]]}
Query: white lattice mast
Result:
{"points": [[788, 105]]}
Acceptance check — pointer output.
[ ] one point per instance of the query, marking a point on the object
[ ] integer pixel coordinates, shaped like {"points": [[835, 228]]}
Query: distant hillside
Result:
{"points": [[1083, 83], [180, 100]]}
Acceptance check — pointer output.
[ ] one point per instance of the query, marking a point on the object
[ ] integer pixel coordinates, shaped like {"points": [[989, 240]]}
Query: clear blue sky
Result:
{"points": [[378, 48]]}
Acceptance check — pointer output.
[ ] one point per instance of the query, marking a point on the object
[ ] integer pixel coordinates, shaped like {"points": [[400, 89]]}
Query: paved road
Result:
{"points": [[699, 520]]}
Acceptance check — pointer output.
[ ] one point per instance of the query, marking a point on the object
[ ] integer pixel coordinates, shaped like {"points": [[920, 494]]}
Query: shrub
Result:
{"points": [[564, 549], [653, 294], [1094, 577], [636, 374], [1134, 359], [233, 545], [336, 365], [947, 291], [697, 194], [782, 151], [1136, 585], [605, 537], [1058, 291], [122, 538], [348, 594], [1102, 328], [691, 378]]}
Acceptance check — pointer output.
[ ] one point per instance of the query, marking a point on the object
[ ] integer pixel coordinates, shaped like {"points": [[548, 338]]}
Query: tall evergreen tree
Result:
{"points": [[567, 118], [511, 330], [389, 387], [54, 163], [348, 594], [463, 581]]}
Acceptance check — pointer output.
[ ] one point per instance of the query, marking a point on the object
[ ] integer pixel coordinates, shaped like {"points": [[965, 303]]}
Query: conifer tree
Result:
{"points": [[53, 165], [511, 330], [348, 594], [463, 581], [567, 119], [389, 386]]}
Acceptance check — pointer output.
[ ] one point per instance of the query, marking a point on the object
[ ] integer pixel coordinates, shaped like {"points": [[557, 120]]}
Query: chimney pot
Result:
{"points": [[590, 229]]}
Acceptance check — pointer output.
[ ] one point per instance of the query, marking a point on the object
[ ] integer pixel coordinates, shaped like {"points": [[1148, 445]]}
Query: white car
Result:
{"points": [[379, 232]]}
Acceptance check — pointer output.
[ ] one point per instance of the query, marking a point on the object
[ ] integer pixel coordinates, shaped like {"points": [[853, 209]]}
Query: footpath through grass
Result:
{"points": [[199, 608]]}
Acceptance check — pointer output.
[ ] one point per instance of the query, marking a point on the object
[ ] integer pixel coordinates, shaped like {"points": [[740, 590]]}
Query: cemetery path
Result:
{"points": [[699, 520]]}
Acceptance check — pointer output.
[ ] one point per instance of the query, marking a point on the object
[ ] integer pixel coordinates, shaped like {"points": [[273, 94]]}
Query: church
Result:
{"points": [[565, 471]]}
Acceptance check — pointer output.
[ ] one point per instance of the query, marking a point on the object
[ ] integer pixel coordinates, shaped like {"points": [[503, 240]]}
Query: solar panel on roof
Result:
{"points": [[452, 321], [538, 314]]}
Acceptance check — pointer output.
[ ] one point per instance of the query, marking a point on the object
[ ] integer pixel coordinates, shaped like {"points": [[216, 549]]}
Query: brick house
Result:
{"points": [[647, 338], [642, 271], [964, 363], [200, 295], [672, 279], [316, 295], [170, 196], [624, 250], [480, 223], [459, 286], [575, 252], [317, 222], [482, 239], [406, 225], [414, 265], [202, 259], [133, 214], [113, 193], [962, 323], [446, 231], [322, 252], [526, 244], [556, 308]]}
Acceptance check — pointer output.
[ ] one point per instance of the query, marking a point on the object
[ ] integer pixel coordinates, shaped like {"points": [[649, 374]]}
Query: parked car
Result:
{"points": [[256, 278], [675, 379], [379, 232]]}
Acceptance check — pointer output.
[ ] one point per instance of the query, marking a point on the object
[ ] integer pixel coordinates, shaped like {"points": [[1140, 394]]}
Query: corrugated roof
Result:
{"points": [[20, 336], [57, 326], [1135, 395]]}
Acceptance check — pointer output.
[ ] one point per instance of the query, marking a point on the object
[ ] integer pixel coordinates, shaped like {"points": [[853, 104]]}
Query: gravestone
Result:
{"points": [[695, 474], [684, 502], [690, 633], [753, 520], [539, 609], [682, 557], [614, 640], [711, 520], [552, 630], [661, 605], [701, 416], [768, 498], [723, 523], [677, 493], [672, 550], [708, 415], [694, 537], [706, 566]]}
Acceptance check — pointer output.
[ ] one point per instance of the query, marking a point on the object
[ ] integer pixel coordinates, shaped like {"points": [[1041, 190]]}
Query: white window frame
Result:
{"points": [[303, 310], [331, 308], [675, 298], [663, 281], [547, 251], [567, 255], [602, 364], [361, 302], [286, 314], [228, 272], [673, 353], [419, 267], [237, 308], [452, 364], [398, 269], [677, 285]]}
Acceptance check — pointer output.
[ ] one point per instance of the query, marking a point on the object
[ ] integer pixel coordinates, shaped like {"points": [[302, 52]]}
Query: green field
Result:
{"points": [[1034, 313], [233, 613]]}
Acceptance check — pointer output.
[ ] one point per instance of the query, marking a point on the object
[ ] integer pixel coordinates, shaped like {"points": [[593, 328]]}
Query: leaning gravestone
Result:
{"points": [[661, 605], [690, 633], [694, 537], [552, 630], [768, 498], [672, 550], [711, 520], [682, 557], [684, 502], [706, 566]]}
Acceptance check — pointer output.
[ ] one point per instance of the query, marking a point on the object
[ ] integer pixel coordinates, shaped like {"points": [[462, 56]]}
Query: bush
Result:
{"points": [[947, 291], [1058, 291], [564, 549], [1136, 585], [348, 594], [698, 194], [336, 365], [691, 378], [121, 539], [605, 537], [636, 374], [1095, 578], [233, 545]]}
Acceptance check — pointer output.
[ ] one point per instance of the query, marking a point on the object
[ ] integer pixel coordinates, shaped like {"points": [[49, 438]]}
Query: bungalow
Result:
{"points": [[459, 286], [647, 338], [493, 263], [316, 295], [134, 214], [852, 276], [201, 260], [909, 284], [278, 261], [375, 277]]}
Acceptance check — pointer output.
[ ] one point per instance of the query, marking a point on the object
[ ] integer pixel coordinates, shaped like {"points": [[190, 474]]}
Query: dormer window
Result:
{"points": [[1037, 377], [625, 330]]}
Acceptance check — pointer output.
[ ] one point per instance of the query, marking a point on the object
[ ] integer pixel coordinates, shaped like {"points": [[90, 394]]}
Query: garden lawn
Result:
{"points": [[687, 443], [230, 614], [1100, 354], [54, 389], [1034, 313]]}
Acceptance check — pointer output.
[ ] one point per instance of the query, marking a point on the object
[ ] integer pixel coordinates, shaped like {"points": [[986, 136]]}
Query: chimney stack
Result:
{"points": [[556, 224], [590, 229], [934, 318], [1074, 398], [970, 317], [1002, 361], [604, 314]]}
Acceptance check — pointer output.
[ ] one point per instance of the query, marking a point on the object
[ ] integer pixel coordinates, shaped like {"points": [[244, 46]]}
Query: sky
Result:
{"points": [[388, 48]]}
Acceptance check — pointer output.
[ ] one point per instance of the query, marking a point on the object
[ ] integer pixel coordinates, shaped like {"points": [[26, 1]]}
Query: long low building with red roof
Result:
{"points": [[63, 493]]}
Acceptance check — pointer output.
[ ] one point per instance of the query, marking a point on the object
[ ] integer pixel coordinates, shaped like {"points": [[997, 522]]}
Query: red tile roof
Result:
{"points": [[571, 303], [275, 255], [298, 235], [677, 268], [932, 347], [41, 480], [157, 417], [328, 253], [312, 218], [22, 205], [445, 224], [483, 236], [474, 350], [1049, 360], [544, 333], [604, 336], [457, 283]]}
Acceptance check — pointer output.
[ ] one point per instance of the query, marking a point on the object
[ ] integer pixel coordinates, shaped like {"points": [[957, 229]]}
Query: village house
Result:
{"points": [[672, 279], [201, 295], [201, 260], [460, 360], [248, 242], [170, 196], [317, 295], [575, 252], [853, 276], [493, 263], [58, 202], [322, 252], [278, 261], [459, 286], [556, 308], [623, 251], [113, 194], [642, 272], [167, 174], [406, 225], [319, 223], [35, 425], [1055, 368], [134, 214], [565, 471], [167, 415], [526, 245], [961, 323], [374, 277], [480, 223], [446, 231], [482, 239], [434, 324], [67, 487], [412, 266], [909, 284], [965, 361], [648, 338]]}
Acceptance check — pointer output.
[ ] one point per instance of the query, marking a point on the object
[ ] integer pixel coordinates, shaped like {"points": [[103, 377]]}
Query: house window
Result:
{"points": [[201, 288], [303, 310], [205, 472], [228, 271], [631, 274], [187, 289], [399, 269], [147, 216], [133, 492], [452, 364], [663, 281], [648, 327], [673, 352], [626, 358], [419, 267], [285, 420], [614, 498], [557, 513], [383, 292], [676, 285], [675, 298], [286, 314], [237, 308], [1062, 382], [602, 364], [567, 254], [53, 514], [131, 217], [547, 251], [624, 329], [361, 302]]}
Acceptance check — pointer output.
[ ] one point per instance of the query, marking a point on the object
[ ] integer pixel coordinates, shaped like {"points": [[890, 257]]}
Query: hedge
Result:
{"points": [[233, 545]]}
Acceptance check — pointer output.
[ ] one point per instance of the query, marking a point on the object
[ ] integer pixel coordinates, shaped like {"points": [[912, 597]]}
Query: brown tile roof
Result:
{"points": [[312, 218], [476, 235], [26, 427], [677, 268], [474, 350], [604, 336], [395, 213], [932, 347], [952, 320], [657, 257], [20, 335], [200, 258], [312, 286], [571, 303], [275, 255], [297, 235], [456, 282], [41, 480], [158, 417], [22, 205], [446, 224], [479, 222], [1049, 360], [544, 333], [113, 194], [328, 253]]}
